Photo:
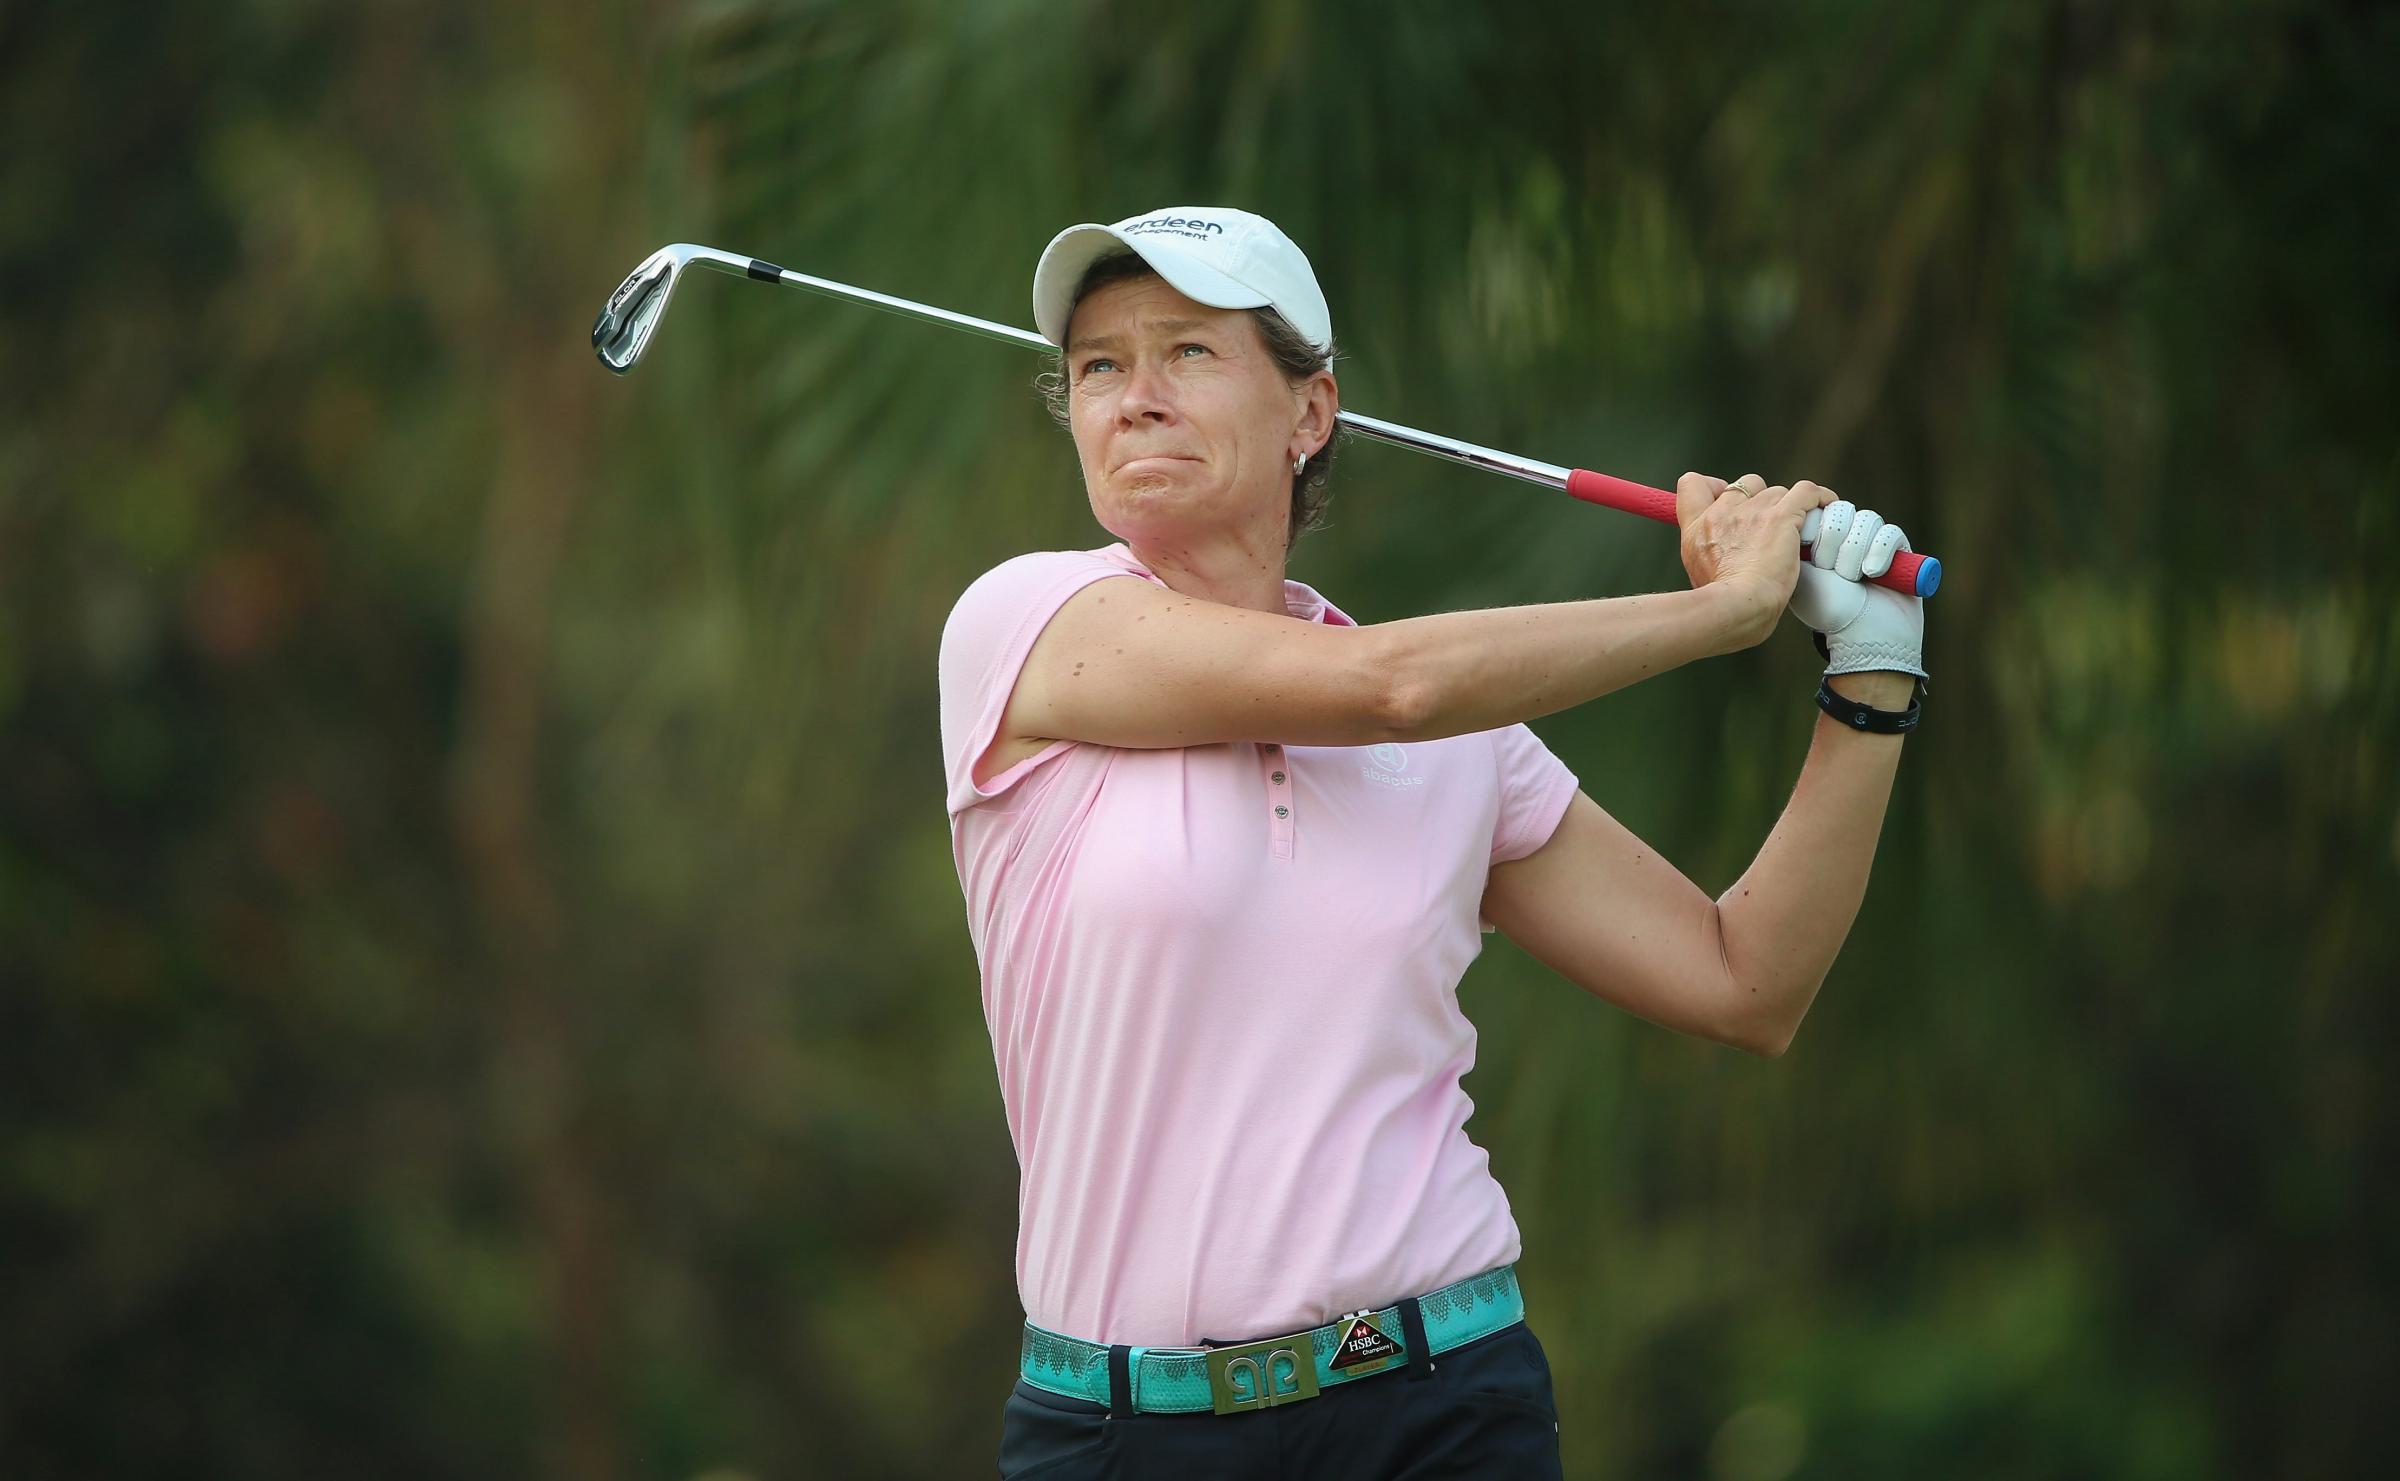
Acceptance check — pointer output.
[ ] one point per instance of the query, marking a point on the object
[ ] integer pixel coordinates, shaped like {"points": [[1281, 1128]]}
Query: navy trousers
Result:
{"points": [[1485, 1411]]}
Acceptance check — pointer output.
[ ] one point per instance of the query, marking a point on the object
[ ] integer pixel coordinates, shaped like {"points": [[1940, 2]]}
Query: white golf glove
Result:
{"points": [[1865, 627]]}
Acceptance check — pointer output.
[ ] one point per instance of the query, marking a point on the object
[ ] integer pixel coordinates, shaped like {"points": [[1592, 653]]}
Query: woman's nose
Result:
{"points": [[1145, 394]]}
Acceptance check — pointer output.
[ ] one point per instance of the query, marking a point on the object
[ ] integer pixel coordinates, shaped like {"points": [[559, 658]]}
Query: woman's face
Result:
{"points": [[1183, 422]]}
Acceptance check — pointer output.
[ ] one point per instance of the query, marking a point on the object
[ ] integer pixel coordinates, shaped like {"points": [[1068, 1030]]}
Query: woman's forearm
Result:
{"points": [[1783, 922], [1461, 672]]}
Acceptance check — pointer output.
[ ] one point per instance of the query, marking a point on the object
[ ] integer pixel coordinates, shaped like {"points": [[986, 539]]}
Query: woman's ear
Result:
{"points": [[1320, 405]]}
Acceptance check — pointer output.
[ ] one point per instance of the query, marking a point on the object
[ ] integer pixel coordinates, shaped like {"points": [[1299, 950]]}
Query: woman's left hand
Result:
{"points": [[1867, 628]]}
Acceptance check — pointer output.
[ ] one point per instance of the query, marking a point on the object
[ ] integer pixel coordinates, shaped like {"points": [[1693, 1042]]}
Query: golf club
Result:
{"points": [[630, 319]]}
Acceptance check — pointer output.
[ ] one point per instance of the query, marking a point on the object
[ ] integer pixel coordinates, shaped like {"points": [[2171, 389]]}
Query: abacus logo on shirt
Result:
{"points": [[1390, 761]]}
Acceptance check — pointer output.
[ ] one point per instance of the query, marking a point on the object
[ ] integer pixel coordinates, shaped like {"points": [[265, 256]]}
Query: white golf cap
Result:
{"points": [[1214, 255]]}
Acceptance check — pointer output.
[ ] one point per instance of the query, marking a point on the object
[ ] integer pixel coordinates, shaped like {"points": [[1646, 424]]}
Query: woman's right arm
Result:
{"points": [[1468, 671], [1128, 664], [1125, 663], [1481, 670]]}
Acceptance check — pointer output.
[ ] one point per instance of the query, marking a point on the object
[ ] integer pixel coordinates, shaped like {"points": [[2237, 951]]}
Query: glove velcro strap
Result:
{"points": [[1862, 658], [1856, 716]]}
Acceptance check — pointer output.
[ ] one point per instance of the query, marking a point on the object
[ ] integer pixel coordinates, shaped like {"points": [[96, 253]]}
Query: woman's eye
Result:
{"points": [[1187, 349], [1091, 366]]}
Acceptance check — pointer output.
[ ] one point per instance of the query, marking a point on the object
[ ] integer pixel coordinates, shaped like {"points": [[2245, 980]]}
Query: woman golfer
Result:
{"points": [[1226, 853]]}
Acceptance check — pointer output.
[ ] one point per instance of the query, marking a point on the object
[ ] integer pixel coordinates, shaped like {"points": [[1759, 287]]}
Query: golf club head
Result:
{"points": [[632, 313]]}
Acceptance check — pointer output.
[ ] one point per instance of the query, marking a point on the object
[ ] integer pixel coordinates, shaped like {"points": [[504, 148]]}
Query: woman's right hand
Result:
{"points": [[1744, 538]]}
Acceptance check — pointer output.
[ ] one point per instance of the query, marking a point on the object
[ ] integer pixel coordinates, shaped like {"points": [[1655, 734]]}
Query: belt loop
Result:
{"points": [[1120, 1381], [1412, 1326]]}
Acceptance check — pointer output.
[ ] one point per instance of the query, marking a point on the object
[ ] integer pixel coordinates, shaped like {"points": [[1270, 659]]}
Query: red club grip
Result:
{"points": [[1912, 574]]}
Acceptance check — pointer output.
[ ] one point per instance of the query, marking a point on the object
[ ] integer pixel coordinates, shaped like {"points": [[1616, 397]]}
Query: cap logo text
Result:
{"points": [[1190, 224]]}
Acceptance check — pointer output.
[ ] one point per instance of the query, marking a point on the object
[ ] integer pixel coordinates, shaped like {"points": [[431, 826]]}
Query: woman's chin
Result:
{"points": [[1155, 477], [1163, 499]]}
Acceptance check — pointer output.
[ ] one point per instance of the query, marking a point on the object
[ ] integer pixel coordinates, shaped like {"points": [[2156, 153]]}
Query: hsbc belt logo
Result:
{"points": [[1389, 762], [1364, 1348]]}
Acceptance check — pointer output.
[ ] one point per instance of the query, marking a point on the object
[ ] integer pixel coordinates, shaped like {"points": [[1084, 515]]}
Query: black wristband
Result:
{"points": [[1860, 717]]}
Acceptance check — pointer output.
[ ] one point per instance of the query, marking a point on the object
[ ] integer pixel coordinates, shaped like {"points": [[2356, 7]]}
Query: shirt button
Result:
{"points": [[1283, 812], [1279, 777]]}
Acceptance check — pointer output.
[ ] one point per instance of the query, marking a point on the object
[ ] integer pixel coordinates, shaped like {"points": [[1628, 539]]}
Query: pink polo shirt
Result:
{"points": [[1222, 987]]}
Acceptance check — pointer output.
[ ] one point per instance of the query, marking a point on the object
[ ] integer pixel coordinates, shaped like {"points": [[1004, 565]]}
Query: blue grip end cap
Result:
{"points": [[1929, 577]]}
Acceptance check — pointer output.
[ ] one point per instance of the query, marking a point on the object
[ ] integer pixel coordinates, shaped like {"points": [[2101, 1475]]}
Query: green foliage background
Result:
{"points": [[483, 989]]}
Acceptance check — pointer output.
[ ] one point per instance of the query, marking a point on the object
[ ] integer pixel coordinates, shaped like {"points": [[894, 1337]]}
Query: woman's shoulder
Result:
{"points": [[1035, 570]]}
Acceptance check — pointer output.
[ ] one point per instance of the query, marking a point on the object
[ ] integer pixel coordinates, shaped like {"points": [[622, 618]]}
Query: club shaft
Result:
{"points": [[1433, 444], [625, 323], [1550, 475], [751, 267]]}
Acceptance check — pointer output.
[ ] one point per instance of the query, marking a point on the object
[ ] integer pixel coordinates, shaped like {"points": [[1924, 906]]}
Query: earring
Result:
{"points": [[1299, 461]]}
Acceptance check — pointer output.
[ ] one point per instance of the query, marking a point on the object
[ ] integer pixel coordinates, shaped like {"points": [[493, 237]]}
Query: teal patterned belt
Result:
{"points": [[1278, 1370]]}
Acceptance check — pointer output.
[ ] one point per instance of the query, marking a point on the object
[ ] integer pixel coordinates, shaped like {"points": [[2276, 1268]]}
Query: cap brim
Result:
{"points": [[1072, 252]]}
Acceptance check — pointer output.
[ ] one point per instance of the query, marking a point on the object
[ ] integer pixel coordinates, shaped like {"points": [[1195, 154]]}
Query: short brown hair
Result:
{"points": [[1290, 350]]}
